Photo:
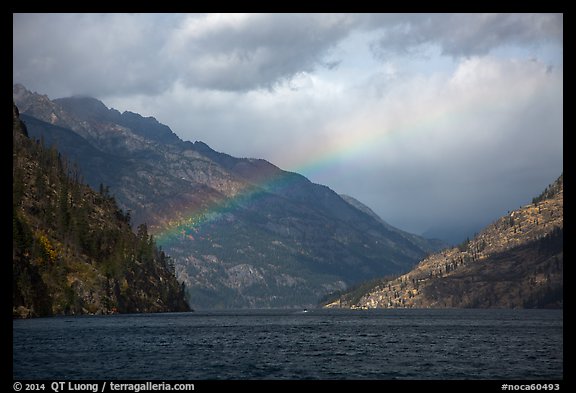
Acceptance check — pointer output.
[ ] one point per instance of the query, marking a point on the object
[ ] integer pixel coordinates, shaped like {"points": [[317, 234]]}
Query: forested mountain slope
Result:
{"points": [[74, 251]]}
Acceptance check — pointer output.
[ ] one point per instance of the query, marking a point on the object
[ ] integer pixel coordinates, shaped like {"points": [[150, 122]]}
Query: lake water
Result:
{"points": [[279, 344]]}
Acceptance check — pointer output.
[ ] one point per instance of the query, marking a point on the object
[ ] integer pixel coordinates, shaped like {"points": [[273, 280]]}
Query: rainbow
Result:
{"points": [[353, 146], [188, 227], [192, 219]]}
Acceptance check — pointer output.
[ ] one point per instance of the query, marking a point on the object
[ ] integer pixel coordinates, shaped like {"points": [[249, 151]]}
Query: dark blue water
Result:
{"points": [[272, 344]]}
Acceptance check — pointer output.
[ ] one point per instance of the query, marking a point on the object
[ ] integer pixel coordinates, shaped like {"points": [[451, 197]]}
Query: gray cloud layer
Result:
{"points": [[102, 55]]}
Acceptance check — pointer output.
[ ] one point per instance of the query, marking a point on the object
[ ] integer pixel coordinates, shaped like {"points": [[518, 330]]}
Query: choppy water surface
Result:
{"points": [[279, 344]]}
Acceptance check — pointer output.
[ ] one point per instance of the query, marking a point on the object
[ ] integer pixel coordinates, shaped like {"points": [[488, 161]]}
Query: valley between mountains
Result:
{"points": [[235, 232], [240, 232]]}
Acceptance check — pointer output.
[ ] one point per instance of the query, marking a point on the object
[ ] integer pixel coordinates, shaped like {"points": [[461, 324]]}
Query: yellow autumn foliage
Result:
{"points": [[47, 247]]}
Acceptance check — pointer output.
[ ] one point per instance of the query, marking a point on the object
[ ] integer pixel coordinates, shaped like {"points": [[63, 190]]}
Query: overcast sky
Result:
{"points": [[432, 120]]}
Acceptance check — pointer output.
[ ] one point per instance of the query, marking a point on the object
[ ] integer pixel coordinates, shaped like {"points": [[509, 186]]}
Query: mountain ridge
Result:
{"points": [[243, 232], [515, 262]]}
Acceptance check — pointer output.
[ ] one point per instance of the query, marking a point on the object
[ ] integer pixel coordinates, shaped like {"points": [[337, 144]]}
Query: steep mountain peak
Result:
{"points": [[49, 111], [36, 105], [86, 107], [93, 120], [96, 112], [148, 127], [202, 147], [19, 92]]}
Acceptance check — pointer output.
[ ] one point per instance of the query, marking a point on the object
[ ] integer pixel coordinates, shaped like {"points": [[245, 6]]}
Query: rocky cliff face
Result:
{"points": [[242, 232], [73, 249], [515, 262]]}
